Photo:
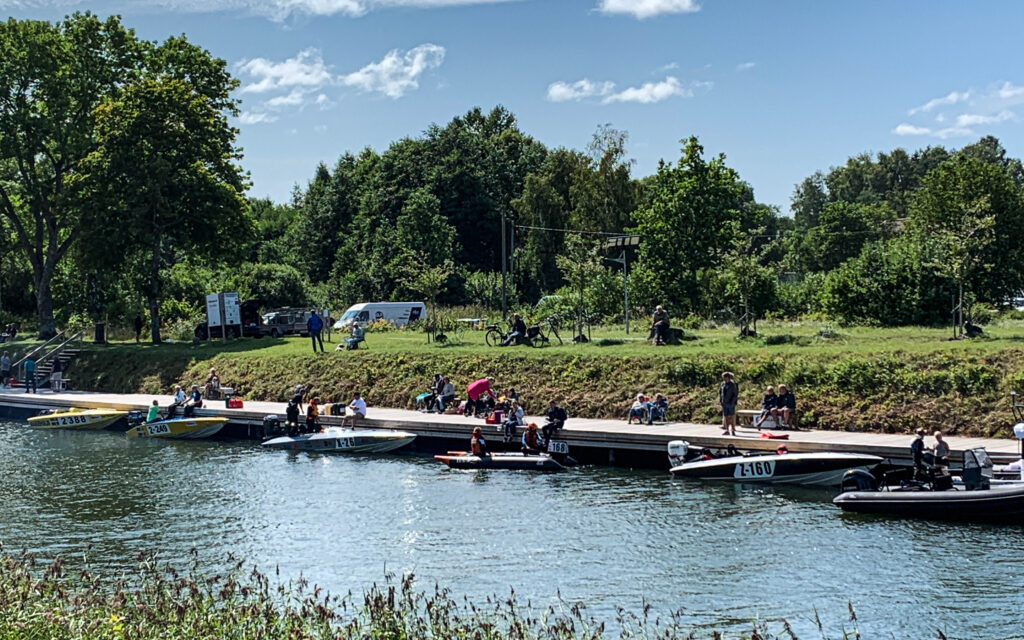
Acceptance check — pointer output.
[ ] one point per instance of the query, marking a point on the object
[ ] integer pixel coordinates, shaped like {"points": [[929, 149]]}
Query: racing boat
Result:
{"points": [[821, 469], [78, 419], [937, 497], [340, 440], [555, 459], [178, 428]]}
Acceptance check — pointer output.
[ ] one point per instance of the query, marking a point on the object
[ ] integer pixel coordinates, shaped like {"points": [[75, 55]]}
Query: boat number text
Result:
{"points": [[558, 446], [345, 443], [157, 429], [64, 421], [755, 469]]}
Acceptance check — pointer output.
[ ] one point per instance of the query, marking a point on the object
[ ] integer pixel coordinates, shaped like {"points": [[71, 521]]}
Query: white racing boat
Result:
{"points": [[339, 440], [821, 469]]}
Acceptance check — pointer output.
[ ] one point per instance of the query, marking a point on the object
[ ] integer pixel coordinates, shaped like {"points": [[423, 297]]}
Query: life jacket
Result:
{"points": [[478, 446], [530, 439]]}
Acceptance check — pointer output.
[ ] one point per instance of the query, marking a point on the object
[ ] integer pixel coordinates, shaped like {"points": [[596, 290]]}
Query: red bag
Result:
{"points": [[235, 403]]}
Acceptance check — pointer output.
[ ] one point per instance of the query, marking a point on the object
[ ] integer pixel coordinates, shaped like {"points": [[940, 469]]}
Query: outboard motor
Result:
{"points": [[1018, 430], [677, 450], [135, 418], [858, 480], [271, 426]]}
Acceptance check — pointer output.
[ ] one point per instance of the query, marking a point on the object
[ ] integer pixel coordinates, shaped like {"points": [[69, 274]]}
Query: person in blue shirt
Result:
{"points": [[315, 325], [30, 375]]}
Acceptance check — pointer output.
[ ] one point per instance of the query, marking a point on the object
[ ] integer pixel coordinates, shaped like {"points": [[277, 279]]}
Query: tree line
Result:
{"points": [[122, 186]]}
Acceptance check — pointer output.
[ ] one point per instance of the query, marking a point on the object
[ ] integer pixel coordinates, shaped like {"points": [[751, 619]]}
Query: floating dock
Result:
{"points": [[608, 442]]}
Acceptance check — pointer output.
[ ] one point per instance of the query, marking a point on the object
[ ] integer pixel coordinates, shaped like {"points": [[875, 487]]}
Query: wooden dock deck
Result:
{"points": [[602, 441]]}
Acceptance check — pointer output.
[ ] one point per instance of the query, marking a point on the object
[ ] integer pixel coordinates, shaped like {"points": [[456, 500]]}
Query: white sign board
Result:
{"points": [[213, 310], [232, 310]]}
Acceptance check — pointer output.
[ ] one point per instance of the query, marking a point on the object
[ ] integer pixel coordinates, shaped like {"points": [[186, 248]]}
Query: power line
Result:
{"points": [[585, 233]]}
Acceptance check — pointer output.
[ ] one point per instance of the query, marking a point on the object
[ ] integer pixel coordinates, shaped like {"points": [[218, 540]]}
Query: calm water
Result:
{"points": [[610, 538]]}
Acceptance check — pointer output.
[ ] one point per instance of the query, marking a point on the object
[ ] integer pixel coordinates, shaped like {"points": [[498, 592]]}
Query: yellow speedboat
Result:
{"points": [[80, 419], [178, 428]]}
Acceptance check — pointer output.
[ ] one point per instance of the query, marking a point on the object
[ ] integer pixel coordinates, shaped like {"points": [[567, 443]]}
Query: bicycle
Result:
{"points": [[494, 336]]}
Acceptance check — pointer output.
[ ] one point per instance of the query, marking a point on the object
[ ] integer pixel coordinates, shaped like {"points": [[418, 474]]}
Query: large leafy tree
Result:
{"points": [[53, 76], [166, 143], [692, 217]]}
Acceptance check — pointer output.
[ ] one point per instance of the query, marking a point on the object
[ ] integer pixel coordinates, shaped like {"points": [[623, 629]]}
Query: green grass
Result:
{"points": [[859, 379]]}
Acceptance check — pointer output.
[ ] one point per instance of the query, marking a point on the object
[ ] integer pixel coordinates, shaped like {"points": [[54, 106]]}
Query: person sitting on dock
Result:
{"points": [[313, 416], [658, 409], [154, 412], [785, 407], [477, 443], [531, 440], [556, 417], [177, 400], [480, 397], [768, 404], [513, 419], [356, 410], [445, 395], [640, 409], [195, 401]]}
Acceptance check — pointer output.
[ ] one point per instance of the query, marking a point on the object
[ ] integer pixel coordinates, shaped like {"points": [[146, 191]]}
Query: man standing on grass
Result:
{"points": [[315, 325], [138, 327], [728, 394]]}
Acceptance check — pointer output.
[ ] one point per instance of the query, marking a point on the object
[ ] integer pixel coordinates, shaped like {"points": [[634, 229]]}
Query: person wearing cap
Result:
{"points": [[639, 409], [477, 443], [728, 394], [355, 410], [531, 440]]}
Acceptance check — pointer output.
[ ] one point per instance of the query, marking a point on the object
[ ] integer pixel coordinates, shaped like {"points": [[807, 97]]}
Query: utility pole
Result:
{"points": [[504, 268]]}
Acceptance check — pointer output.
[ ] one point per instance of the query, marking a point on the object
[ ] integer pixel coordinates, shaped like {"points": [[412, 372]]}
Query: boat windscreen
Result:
{"points": [[977, 459]]}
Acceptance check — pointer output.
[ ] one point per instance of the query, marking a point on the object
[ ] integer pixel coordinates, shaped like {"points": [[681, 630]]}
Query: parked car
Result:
{"points": [[285, 322], [397, 313]]}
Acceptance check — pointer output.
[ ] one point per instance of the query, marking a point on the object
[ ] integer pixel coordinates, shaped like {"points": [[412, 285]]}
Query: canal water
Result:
{"points": [[611, 538]]}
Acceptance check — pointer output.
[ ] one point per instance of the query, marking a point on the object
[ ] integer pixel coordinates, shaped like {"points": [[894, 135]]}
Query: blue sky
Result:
{"points": [[783, 88]]}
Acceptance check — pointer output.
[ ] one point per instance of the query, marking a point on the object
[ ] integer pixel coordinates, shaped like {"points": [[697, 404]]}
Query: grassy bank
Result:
{"points": [[890, 380], [52, 601]]}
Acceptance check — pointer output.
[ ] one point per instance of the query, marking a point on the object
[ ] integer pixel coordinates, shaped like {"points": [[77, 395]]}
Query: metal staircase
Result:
{"points": [[60, 347]]}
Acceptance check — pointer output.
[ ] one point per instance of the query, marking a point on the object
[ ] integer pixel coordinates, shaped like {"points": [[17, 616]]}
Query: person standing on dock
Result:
{"points": [[728, 394], [5, 370], [315, 325], [137, 324], [30, 374]]}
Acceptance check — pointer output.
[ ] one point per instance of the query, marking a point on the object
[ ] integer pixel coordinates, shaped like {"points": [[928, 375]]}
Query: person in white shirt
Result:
{"points": [[445, 395], [356, 410], [179, 399]]}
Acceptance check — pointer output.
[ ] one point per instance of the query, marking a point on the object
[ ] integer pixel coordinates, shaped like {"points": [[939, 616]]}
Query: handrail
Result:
{"points": [[56, 351], [36, 350]]}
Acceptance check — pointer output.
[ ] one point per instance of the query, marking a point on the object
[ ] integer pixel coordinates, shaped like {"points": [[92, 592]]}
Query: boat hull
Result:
{"points": [[513, 461], [178, 429], [1002, 505], [813, 469], [336, 440], [77, 419]]}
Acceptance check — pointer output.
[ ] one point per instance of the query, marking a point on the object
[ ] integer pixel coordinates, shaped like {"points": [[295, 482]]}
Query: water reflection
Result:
{"points": [[727, 554]]}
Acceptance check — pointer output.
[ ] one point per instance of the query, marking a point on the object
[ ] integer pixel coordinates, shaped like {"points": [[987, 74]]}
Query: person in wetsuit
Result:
{"points": [[291, 414], [477, 444]]}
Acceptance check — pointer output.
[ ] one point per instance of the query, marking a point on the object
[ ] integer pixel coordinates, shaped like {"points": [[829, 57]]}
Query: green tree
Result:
{"points": [[973, 211], [52, 79], [165, 141], [693, 214]]}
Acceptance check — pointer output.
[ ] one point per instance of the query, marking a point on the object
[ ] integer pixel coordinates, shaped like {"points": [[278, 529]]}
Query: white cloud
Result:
{"points": [[651, 92], [562, 91], [307, 69], [294, 99], [958, 113], [397, 72], [647, 8], [907, 129], [745, 66], [952, 97], [973, 119], [248, 117], [273, 9]]}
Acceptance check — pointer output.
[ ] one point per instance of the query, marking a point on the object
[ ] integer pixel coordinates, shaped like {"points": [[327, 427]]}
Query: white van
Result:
{"points": [[397, 313]]}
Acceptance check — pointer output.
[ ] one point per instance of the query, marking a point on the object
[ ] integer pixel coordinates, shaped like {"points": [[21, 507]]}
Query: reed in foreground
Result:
{"points": [[43, 602]]}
